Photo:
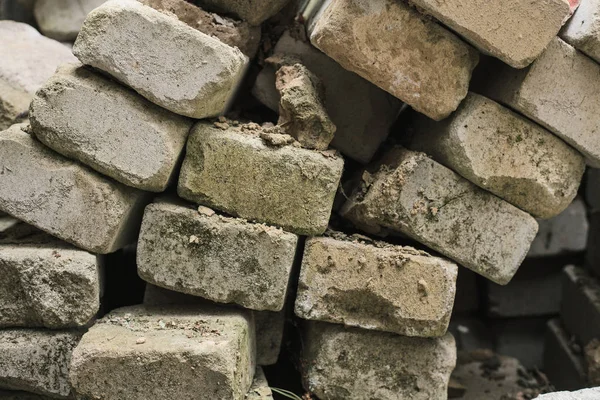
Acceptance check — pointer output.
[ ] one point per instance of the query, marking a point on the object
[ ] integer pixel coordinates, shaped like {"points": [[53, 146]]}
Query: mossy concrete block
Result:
{"points": [[255, 12], [504, 153], [392, 45], [409, 193], [581, 31], [176, 352], [192, 74], [260, 389], [64, 198], [355, 364], [135, 142], [62, 19], [226, 260], [235, 171], [37, 361], [375, 285]]}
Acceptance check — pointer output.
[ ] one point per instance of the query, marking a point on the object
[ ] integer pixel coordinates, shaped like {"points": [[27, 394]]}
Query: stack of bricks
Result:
{"points": [[298, 183]]}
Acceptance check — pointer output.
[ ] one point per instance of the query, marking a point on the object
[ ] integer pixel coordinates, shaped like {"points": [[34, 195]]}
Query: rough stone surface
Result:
{"points": [[353, 364], [564, 366], [37, 361], [195, 74], [260, 389], [222, 259], [412, 194], [566, 233], [228, 30], [254, 12], [567, 104], [582, 29], [361, 112], [62, 19], [516, 35], [64, 198], [592, 358], [47, 286], [285, 186], [135, 142], [28, 60], [583, 394], [395, 47], [166, 353], [504, 153], [375, 286], [580, 307]]}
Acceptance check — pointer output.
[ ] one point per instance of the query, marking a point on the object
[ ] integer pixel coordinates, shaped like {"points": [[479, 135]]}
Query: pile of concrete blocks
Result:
{"points": [[353, 188]]}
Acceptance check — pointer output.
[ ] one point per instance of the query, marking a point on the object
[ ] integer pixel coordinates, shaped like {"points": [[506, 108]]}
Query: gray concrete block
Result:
{"points": [[581, 31], [564, 367], [62, 19]]}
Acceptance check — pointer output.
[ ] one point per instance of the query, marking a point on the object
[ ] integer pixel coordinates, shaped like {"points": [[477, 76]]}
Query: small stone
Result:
{"points": [[254, 12], [140, 340], [582, 29], [276, 139], [62, 19], [208, 212], [564, 367]]}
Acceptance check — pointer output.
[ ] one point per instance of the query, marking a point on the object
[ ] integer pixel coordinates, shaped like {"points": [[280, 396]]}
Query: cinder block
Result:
{"points": [[504, 153], [236, 171], [409, 193], [562, 364], [63, 198], [192, 74], [135, 142], [62, 19], [375, 285], [355, 364], [166, 353], [254, 12], [580, 306], [582, 29]]}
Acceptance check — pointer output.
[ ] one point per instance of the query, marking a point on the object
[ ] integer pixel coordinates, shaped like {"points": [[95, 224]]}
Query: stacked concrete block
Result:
{"points": [[62, 19], [580, 308], [582, 29], [563, 361]]}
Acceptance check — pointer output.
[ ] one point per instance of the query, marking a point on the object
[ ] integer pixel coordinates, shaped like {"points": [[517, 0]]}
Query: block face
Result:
{"points": [[526, 29], [504, 153], [581, 31], [62, 19], [353, 364], [195, 74], [254, 12], [37, 360], [47, 286], [285, 186], [565, 104], [564, 367], [135, 142], [222, 259], [64, 198], [393, 46], [166, 352], [580, 307], [414, 195], [376, 286]]}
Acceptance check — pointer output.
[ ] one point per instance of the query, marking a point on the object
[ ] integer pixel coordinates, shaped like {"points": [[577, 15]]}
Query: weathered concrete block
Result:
{"points": [[37, 361], [580, 306], [47, 285], [135, 142], [361, 112], [564, 366], [222, 259], [566, 233], [28, 59], [166, 353], [375, 285], [567, 104], [284, 186], [353, 364], [254, 12], [62, 19], [260, 389], [64, 198], [504, 153], [582, 29], [194, 74], [583, 394], [408, 192], [395, 47], [516, 35]]}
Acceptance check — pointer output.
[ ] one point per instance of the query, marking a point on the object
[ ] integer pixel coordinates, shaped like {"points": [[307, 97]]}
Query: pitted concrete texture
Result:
{"points": [[62, 19], [193, 74], [255, 12], [582, 30], [393, 46]]}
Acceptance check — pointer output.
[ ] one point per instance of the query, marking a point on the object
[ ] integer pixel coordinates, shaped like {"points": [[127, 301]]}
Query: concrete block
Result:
{"points": [[193, 74], [504, 153], [166, 353], [563, 363], [361, 112], [226, 260], [285, 186], [353, 364], [63, 198], [62, 19], [260, 389], [254, 12], [581, 31], [28, 60], [567, 104], [135, 142], [398, 49], [520, 338], [375, 285], [580, 307], [516, 35], [583, 394], [37, 361], [409, 193]]}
